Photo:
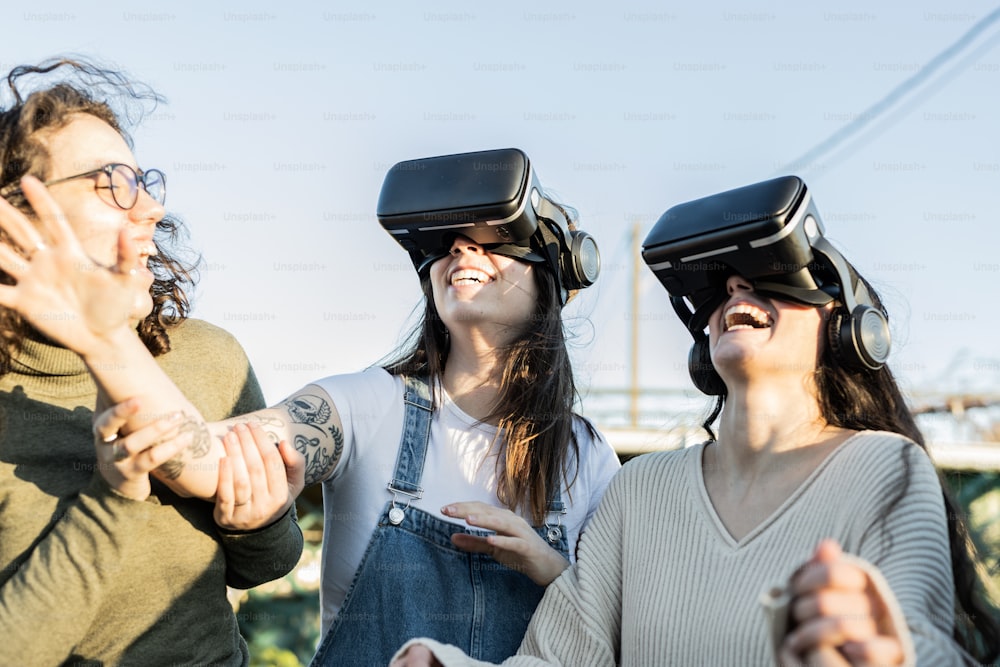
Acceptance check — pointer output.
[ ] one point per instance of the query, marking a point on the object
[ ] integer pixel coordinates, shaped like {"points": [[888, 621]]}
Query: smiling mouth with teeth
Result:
{"points": [[470, 277], [745, 316], [147, 251]]}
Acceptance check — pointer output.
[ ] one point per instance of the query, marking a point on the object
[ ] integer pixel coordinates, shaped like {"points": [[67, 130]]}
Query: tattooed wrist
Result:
{"points": [[201, 438], [173, 468]]}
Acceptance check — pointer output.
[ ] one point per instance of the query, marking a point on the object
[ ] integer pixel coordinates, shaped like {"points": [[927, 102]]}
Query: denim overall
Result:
{"points": [[412, 582]]}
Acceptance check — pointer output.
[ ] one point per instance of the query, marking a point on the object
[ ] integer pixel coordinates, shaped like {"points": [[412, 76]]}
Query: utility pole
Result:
{"points": [[633, 410]]}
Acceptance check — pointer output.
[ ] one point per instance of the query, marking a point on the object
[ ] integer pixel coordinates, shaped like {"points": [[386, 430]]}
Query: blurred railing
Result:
{"points": [[962, 431]]}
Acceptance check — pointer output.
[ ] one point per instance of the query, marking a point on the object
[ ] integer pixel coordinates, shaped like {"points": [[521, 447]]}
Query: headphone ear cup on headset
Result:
{"points": [[580, 263], [702, 372], [860, 339]]}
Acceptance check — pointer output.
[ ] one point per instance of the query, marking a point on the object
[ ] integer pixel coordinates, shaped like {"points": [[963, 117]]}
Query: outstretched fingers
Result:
{"points": [[24, 235], [52, 226]]}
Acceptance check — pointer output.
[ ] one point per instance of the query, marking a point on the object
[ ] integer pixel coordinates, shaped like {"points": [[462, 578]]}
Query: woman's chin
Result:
{"points": [[141, 308]]}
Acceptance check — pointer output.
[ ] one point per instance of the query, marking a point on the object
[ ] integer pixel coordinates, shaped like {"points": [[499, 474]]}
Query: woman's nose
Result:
{"points": [[737, 282], [146, 210], [463, 244]]}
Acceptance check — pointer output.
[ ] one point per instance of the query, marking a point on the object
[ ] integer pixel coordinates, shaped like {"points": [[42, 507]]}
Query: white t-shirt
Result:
{"points": [[460, 466]]}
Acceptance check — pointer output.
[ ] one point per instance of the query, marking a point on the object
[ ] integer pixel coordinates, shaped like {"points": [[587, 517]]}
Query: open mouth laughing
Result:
{"points": [[464, 277], [745, 316]]}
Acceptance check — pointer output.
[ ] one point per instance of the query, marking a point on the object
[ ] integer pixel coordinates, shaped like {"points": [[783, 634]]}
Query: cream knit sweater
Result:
{"points": [[660, 581]]}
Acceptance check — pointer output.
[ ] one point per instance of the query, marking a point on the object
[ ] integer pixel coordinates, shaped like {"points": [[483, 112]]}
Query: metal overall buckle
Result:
{"points": [[553, 533], [397, 514]]}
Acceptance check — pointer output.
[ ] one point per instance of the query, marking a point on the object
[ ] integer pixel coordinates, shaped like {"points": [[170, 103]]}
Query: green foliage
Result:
{"points": [[273, 657], [281, 619], [978, 493], [282, 631]]}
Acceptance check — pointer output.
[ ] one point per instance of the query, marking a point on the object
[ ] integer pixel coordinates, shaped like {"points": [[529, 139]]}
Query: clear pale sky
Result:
{"points": [[284, 117]]}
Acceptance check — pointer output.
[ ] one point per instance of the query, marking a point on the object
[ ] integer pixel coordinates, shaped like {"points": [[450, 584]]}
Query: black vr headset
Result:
{"points": [[492, 197], [771, 234]]}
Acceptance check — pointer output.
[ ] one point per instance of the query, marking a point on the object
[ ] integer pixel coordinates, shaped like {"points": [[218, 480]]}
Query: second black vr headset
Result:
{"points": [[492, 197], [771, 234]]}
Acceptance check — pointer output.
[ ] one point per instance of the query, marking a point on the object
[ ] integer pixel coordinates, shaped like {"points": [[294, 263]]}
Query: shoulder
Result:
{"points": [[883, 454], [193, 336], [371, 391], [212, 369], [873, 468], [589, 439], [657, 472], [655, 463], [374, 381]]}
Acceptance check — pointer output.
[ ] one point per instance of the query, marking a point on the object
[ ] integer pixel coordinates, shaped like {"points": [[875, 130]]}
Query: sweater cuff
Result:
{"points": [[268, 553], [278, 525], [776, 603]]}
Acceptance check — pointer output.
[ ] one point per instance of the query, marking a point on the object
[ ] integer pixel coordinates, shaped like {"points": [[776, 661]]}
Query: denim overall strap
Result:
{"points": [[553, 531], [409, 469], [412, 581]]}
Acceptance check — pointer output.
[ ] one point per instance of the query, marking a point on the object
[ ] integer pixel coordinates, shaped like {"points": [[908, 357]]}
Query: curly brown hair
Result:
{"points": [[109, 95]]}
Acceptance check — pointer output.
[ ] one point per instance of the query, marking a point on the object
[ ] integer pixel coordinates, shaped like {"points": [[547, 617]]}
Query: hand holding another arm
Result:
{"points": [[258, 482], [125, 461]]}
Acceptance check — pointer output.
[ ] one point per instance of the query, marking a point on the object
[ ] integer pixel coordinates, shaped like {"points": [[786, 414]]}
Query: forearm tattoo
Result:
{"points": [[309, 409], [318, 462], [315, 412], [201, 444], [201, 439], [173, 468]]}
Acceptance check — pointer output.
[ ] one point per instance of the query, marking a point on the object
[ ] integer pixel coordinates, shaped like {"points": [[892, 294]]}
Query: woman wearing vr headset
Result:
{"points": [[99, 563], [457, 479], [736, 551]]}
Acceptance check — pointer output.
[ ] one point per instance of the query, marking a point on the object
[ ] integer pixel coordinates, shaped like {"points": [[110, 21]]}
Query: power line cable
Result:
{"points": [[895, 95]]}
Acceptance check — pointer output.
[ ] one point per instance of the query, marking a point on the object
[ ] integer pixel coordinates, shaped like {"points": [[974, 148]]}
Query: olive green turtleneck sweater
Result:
{"points": [[87, 576]]}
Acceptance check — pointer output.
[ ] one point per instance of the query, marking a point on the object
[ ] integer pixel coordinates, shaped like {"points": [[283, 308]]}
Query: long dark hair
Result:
{"points": [[534, 409], [863, 399], [86, 88]]}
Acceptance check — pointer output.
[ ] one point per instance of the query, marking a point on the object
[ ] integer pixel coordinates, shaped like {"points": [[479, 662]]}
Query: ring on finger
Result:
{"points": [[118, 452], [39, 245]]}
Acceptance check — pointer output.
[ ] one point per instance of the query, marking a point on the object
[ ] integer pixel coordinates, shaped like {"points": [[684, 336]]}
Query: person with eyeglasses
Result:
{"points": [[122, 182], [457, 477], [103, 559]]}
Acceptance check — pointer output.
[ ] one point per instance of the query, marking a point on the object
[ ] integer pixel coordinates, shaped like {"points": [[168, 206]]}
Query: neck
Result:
{"points": [[767, 421], [473, 373]]}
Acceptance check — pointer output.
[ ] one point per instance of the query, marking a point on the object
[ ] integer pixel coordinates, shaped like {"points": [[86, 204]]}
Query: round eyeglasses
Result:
{"points": [[124, 182]]}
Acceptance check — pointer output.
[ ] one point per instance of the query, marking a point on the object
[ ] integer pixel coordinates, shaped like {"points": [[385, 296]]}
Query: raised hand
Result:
{"points": [[841, 618], [515, 544], [258, 482], [125, 461], [59, 289]]}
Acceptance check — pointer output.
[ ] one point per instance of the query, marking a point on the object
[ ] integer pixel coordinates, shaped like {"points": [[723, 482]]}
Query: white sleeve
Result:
{"points": [[363, 402]]}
